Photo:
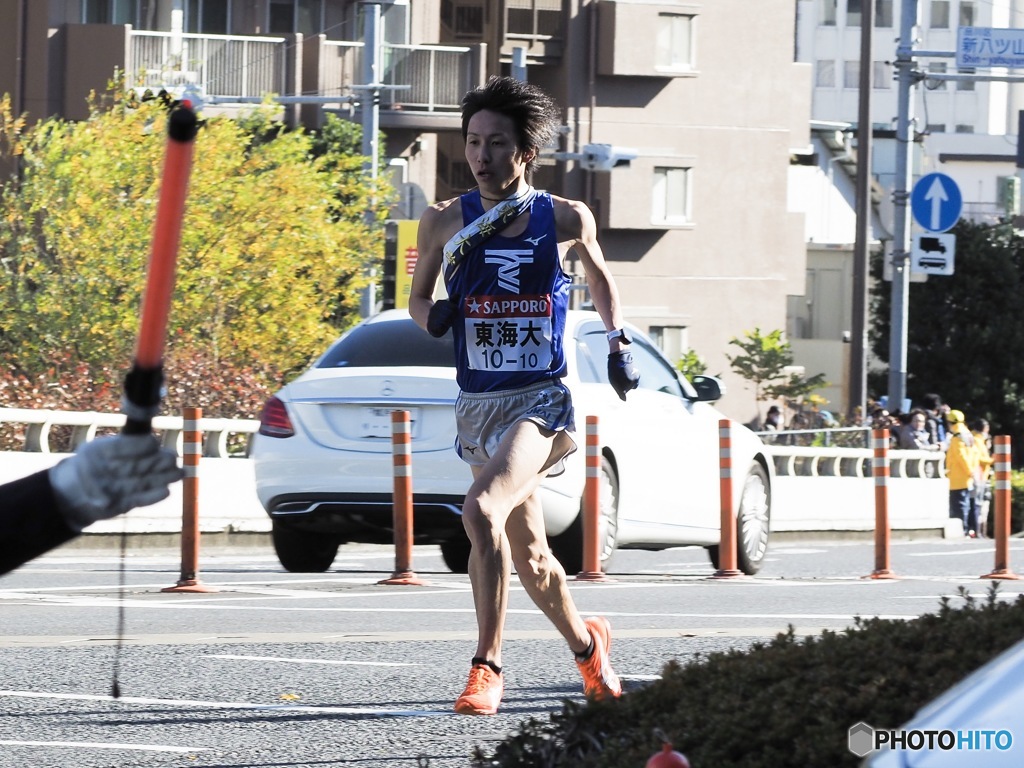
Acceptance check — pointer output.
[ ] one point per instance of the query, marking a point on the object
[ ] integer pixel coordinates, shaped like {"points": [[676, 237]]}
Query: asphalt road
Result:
{"points": [[278, 670]]}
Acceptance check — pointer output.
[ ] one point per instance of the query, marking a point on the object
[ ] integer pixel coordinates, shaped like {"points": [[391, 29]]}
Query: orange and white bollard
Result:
{"points": [[1001, 464], [727, 560], [880, 472], [192, 451], [592, 507], [401, 452]]}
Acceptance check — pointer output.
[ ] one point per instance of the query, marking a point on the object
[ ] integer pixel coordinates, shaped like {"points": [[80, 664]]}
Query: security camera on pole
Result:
{"points": [[600, 157]]}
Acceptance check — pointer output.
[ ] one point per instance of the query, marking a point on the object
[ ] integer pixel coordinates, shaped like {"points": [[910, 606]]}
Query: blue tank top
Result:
{"points": [[512, 297]]}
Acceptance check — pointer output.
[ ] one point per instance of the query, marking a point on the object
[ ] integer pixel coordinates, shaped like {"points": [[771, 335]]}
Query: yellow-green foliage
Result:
{"points": [[271, 261]]}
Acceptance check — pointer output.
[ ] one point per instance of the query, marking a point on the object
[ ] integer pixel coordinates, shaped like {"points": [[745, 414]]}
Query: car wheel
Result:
{"points": [[455, 553], [302, 551], [752, 523], [568, 546]]}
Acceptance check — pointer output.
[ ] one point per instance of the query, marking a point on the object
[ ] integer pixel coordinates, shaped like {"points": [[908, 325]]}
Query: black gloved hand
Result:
{"points": [[441, 317], [622, 373]]}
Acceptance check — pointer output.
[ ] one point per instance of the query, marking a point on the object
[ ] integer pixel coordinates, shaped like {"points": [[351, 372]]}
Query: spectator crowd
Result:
{"points": [[932, 426]]}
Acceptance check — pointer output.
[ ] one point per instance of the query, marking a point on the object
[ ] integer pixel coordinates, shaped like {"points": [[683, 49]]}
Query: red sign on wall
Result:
{"points": [[411, 255]]}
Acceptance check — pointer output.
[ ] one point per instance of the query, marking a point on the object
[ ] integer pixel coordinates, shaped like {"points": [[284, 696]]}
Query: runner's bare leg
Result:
{"points": [[506, 481]]}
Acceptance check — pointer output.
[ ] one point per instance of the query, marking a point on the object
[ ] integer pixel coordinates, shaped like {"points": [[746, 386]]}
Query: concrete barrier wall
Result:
{"points": [[832, 489], [815, 489], [227, 484]]}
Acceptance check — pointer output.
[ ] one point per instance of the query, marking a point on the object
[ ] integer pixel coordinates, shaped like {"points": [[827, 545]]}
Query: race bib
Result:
{"points": [[508, 333]]}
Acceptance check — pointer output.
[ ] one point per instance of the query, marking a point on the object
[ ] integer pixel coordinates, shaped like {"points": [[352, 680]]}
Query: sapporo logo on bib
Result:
{"points": [[508, 333]]}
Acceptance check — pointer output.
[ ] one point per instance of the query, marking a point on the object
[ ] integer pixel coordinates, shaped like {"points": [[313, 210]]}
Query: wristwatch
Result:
{"points": [[621, 334]]}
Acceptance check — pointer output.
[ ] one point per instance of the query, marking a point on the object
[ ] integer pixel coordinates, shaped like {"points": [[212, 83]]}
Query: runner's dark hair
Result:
{"points": [[533, 111]]}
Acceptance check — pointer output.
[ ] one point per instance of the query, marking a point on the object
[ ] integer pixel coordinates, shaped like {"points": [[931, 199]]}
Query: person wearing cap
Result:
{"points": [[982, 485], [962, 463]]}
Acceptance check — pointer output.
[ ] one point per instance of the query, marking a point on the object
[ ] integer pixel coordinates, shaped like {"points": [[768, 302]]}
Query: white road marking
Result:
{"points": [[228, 585], [103, 745], [194, 704], [641, 678], [309, 661], [954, 552]]}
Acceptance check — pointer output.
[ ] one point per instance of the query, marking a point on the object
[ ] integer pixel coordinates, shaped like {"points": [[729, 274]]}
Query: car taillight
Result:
{"points": [[274, 421]]}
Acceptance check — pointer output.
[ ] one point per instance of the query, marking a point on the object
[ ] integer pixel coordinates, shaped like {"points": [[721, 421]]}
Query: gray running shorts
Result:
{"points": [[481, 419]]}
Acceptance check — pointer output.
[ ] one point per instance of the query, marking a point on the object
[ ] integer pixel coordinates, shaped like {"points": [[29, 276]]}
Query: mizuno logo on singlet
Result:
{"points": [[535, 241], [508, 266]]}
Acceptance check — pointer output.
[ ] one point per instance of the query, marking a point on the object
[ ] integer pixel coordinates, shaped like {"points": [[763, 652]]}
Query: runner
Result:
{"points": [[501, 246]]}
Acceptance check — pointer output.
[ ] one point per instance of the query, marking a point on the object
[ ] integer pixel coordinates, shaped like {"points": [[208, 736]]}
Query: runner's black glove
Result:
{"points": [[441, 317], [622, 373]]}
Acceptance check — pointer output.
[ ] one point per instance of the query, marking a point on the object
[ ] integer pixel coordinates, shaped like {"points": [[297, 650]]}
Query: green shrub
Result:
{"points": [[789, 702]]}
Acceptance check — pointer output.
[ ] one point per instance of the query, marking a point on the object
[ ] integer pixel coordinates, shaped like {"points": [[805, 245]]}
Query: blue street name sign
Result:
{"points": [[936, 202]]}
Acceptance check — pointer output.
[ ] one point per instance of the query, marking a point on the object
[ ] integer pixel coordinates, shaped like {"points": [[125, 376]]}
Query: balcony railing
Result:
{"points": [[223, 66], [437, 76], [219, 65]]}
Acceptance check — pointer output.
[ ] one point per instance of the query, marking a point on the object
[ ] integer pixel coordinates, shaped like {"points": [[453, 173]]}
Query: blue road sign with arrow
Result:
{"points": [[936, 202]]}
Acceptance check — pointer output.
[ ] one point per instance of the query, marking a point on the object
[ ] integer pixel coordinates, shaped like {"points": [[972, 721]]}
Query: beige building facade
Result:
{"points": [[705, 95]]}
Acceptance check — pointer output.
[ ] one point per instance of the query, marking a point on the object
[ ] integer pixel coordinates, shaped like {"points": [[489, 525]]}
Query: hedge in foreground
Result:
{"points": [[788, 702]]}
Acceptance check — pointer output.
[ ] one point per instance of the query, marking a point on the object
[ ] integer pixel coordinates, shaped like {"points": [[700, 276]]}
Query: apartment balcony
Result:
{"points": [[422, 84], [422, 88]]}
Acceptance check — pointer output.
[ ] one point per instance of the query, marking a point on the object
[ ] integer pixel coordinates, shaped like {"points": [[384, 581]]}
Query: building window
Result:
{"points": [[965, 85], [141, 14], [881, 75], [966, 13], [303, 16], [464, 19], [671, 196], [853, 13], [851, 74], [673, 340], [540, 19], [208, 17], [674, 42], [940, 14], [964, 128], [936, 85], [935, 128], [825, 73], [883, 13], [828, 12]]}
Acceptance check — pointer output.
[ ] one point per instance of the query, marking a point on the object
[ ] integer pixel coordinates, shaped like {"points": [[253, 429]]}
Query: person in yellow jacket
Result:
{"points": [[961, 466], [982, 485]]}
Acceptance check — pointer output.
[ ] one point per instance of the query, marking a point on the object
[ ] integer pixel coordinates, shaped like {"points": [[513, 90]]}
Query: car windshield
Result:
{"points": [[395, 343]]}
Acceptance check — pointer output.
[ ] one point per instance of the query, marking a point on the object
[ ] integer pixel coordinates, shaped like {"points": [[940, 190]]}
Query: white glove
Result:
{"points": [[110, 475]]}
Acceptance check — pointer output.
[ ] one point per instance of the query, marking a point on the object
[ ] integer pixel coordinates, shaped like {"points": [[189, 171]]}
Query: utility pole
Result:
{"points": [[901, 201], [371, 89], [862, 239]]}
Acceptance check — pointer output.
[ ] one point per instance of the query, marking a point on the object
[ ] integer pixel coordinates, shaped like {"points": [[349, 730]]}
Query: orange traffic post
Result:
{"points": [[592, 507], [192, 450], [727, 559], [880, 471], [401, 452], [1001, 463]]}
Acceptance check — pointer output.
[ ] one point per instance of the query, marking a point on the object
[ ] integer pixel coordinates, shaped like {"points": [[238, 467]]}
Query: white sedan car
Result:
{"points": [[323, 455]]}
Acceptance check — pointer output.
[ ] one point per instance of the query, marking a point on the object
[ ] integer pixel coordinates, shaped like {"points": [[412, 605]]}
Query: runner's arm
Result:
{"points": [[577, 227], [430, 245]]}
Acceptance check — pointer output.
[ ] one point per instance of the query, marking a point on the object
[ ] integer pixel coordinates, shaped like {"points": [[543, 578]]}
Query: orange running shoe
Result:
{"points": [[599, 679], [483, 692]]}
